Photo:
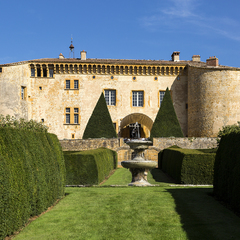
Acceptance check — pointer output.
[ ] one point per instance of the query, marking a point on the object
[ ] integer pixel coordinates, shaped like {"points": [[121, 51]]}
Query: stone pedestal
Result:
{"points": [[138, 166]]}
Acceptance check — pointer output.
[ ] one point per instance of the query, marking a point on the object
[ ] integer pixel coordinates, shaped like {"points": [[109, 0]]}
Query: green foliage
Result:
{"points": [[160, 156], [228, 129], [100, 123], [188, 166], [21, 123], [227, 170], [166, 123], [89, 167], [32, 176]]}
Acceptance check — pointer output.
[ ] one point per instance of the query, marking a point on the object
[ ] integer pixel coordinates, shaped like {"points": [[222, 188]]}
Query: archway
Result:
{"points": [[143, 120]]}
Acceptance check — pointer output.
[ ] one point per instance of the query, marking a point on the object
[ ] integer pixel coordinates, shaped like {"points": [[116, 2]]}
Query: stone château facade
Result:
{"points": [[62, 93]]}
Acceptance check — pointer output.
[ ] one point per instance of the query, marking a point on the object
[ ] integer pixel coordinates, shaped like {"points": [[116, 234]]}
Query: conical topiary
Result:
{"points": [[166, 123], [100, 124]]}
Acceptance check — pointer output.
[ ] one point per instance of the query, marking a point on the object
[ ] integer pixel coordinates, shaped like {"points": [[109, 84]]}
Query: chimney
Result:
{"points": [[175, 56], [83, 55], [196, 58], [61, 56], [212, 61]]}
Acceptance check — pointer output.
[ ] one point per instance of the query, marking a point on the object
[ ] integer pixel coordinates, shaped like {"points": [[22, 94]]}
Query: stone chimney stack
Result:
{"points": [[83, 55], [175, 56], [196, 58], [212, 61]]}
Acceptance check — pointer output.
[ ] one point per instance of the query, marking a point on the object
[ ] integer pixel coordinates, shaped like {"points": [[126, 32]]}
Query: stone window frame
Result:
{"points": [[76, 84], [136, 101], [110, 90], [76, 116], [23, 92], [71, 116], [67, 115], [71, 84], [67, 84]]}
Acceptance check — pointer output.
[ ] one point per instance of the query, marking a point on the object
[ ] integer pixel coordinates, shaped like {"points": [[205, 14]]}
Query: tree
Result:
{"points": [[100, 124], [166, 123]]}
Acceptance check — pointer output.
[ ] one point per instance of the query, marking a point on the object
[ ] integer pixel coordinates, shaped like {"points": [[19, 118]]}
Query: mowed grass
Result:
{"points": [[163, 212], [123, 177]]}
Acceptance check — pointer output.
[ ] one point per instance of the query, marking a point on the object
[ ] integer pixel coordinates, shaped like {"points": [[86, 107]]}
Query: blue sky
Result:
{"points": [[126, 29]]}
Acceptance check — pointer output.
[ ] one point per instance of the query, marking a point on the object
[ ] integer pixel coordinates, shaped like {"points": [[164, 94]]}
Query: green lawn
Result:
{"points": [[162, 212], [123, 176]]}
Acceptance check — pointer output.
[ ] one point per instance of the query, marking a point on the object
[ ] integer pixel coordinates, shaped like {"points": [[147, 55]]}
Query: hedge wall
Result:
{"points": [[226, 184], [188, 166], [32, 176], [89, 167]]}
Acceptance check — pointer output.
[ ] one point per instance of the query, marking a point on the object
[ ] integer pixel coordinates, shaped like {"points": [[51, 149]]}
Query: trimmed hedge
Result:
{"points": [[226, 184], [166, 123], [100, 124], [32, 176], [188, 166], [89, 167]]}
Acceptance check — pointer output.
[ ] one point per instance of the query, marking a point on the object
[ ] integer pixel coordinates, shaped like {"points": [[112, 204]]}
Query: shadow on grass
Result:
{"points": [[202, 217], [159, 176]]}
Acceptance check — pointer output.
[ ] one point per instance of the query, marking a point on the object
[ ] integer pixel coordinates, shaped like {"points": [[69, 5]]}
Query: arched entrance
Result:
{"points": [[145, 124]]}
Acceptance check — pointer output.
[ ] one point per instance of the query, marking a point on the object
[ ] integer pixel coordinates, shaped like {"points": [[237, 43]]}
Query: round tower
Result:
{"points": [[213, 99]]}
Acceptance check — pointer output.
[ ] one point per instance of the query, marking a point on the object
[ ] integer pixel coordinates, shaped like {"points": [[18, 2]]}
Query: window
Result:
{"points": [[50, 73], [110, 97], [71, 115], [38, 72], [137, 98], [44, 72], [32, 72], [23, 93], [75, 115], [75, 84], [67, 84], [162, 93], [72, 84], [0, 69], [67, 115]]}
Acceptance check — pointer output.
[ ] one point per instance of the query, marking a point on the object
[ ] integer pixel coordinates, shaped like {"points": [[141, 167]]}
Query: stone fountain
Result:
{"points": [[139, 166]]}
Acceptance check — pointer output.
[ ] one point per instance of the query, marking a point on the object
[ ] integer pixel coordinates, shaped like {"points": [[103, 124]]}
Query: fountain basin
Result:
{"points": [[139, 144], [139, 164]]}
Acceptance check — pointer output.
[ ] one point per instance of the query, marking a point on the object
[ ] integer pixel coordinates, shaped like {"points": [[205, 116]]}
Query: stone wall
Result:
{"points": [[11, 80], [86, 144], [125, 153], [190, 143], [213, 100]]}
